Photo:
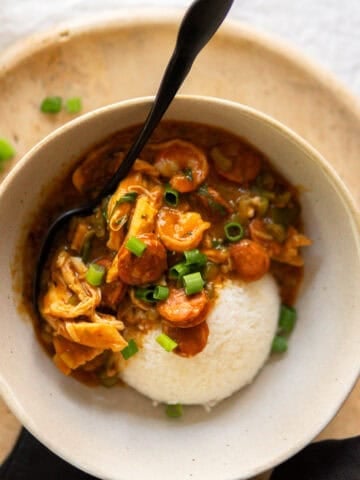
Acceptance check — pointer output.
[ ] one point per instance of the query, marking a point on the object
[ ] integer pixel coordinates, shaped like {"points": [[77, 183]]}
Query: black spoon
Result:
{"points": [[200, 22]]}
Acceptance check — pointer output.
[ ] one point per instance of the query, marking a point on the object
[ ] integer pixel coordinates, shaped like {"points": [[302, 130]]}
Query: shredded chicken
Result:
{"points": [[69, 295]]}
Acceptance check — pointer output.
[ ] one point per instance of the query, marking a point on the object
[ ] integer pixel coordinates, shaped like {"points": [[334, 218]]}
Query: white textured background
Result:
{"points": [[327, 31]]}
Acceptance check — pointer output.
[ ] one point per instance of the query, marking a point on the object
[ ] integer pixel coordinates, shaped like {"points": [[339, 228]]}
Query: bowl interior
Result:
{"points": [[118, 434]]}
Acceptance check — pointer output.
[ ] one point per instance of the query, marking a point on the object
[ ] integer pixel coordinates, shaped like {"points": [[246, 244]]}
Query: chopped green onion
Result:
{"points": [[279, 344], [146, 294], [152, 294], [174, 411], [179, 270], [193, 283], [51, 105], [73, 105], [161, 292], [195, 257], [7, 152], [287, 318], [166, 342], [128, 197], [136, 246], [188, 174], [171, 197], [130, 350], [104, 208], [234, 231], [95, 274], [86, 247]]}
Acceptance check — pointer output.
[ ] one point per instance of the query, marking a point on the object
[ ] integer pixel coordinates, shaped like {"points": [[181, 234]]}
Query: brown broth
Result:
{"points": [[101, 162]]}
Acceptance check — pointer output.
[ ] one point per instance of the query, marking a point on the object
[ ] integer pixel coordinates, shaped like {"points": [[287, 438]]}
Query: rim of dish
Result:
{"points": [[293, 137], [120, 18]]}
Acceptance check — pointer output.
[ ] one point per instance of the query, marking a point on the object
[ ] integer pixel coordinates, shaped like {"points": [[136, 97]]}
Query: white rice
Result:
{"points": [[242, 325]]}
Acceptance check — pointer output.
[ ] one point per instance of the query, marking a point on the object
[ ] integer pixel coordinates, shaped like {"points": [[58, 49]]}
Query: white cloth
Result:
{"points": [[328, 31]]}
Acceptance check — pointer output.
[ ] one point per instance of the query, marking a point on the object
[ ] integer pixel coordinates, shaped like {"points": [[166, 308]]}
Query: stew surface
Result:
{"points": [[199, 207]]}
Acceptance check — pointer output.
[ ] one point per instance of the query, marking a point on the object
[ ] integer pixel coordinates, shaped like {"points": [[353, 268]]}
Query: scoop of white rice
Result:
{"points": [[242, 325]]}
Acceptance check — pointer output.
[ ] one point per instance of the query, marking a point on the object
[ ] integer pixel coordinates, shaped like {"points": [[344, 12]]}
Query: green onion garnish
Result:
{"points": [[95, 274], [152, 294], [51, 105], [279, 344], [146, 294], [179, 270], [136, 246], [73, 105], [171, 197], [195, 257], [161, 292], [193, 283], [128, 197], [166, 342], [174, 411], [86, 247], [234, 231], [287, 319], [7, 152], [130, 350]]}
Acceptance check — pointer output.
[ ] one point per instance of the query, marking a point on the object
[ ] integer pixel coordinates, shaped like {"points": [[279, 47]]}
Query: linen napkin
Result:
{"points": [[326, 460]]}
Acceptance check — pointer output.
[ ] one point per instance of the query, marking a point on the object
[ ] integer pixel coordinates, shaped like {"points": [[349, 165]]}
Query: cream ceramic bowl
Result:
{"points": [[118, 434]]}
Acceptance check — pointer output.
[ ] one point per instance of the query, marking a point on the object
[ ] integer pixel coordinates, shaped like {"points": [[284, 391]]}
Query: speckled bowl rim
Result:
{"points": [[265, 119]]}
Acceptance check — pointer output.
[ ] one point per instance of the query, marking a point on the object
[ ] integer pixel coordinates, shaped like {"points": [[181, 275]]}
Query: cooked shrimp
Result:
{"points": [[97, 167], [250, 259], [184, 311], [180, 231], [236, 162], [184, 164], [145, 269], [142, 166]]}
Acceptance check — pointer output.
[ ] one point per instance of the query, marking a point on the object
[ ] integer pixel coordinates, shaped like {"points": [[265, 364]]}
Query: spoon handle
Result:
{"points": [[201, 21]]}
